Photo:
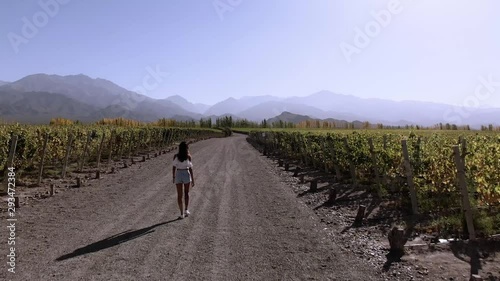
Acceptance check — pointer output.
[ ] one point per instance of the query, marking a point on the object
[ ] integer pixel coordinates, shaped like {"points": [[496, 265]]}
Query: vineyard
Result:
{"points": [[393, 163], [54, 151]]}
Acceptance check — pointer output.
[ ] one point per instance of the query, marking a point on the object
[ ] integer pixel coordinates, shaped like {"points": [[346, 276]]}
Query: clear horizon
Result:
{"points": [[208, 51]]}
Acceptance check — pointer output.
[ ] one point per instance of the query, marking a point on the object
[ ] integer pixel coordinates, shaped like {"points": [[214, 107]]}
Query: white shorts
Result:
{"points": [[182, 176]]}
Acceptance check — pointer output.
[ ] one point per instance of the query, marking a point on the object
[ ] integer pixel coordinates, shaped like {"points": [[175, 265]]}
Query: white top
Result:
{"points": [[182, 165]]}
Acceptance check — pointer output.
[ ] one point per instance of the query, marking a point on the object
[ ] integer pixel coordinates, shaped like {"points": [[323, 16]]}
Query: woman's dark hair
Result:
{"points": [[183, 153]]}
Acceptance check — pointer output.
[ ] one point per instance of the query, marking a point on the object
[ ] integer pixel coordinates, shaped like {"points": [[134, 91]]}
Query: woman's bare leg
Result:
{"points": [[186, 194], [179, 197]]}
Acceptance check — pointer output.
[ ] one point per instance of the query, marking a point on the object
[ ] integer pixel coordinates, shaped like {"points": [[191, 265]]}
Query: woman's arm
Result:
{"points": [[173, 170], [173, 174], [192, 175]]}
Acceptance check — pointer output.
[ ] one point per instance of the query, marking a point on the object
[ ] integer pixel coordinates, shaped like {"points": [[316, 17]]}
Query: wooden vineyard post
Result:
{"points": [[352, 168], [167, 144], [153, 141], [462, 144], [360, 215], [129, 154], [165, 140], [150, 135], [296, 172], [465, 193], [397, 241], [332, 195], [51, 190], [10, 163], [121, 147], [82, 162], [338, 174], [409, 178], [160, 143], [100, 151], [111, 142], [314, 185], [304, 154], [66, 157], [157, 142], [139, 143], [324, 157], [314, 163], [44, 151], [374, 167], [172, 139]]}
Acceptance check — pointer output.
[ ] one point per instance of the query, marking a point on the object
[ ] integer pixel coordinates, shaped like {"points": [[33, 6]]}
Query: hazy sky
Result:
{"points": [[421, 50]]}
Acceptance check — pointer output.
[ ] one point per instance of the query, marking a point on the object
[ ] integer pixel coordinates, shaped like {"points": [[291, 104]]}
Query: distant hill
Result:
{"points": [[236, 106], [289, 117], [40, 107], [96, 92], [270, 109], [81, 97], [296, 119], [392, 112], [188, 106], [326, 104], [228, 106], [85, 98]]}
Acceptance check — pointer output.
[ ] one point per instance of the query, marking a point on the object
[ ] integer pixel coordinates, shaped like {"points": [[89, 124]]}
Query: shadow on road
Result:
{"points": [[112, 241], [474, 252]]}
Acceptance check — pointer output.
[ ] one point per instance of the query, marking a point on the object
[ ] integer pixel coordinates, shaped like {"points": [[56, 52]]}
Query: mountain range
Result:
{"points": [[38, 98]]}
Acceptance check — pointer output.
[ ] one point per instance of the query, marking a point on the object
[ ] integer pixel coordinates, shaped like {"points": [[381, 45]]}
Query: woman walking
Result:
{"points": [[182, 172]]}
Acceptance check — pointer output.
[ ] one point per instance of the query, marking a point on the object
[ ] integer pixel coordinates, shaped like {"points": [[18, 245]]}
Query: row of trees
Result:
{"points": [[229, 122]]}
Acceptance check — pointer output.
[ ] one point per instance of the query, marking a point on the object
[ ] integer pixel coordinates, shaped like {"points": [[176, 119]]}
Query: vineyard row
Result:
{"points": [[39, 149], [393, 162]]}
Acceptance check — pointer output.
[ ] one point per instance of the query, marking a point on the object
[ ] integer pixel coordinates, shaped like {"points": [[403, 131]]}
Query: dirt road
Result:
{"points": [[245, 225]]}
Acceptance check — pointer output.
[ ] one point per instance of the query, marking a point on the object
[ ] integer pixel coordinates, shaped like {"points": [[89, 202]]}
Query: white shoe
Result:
{"points": [[187, 213], [181, 217]]}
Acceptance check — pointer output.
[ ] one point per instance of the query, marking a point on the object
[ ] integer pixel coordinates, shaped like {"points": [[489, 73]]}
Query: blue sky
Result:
{"points": [[424, 50]]}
